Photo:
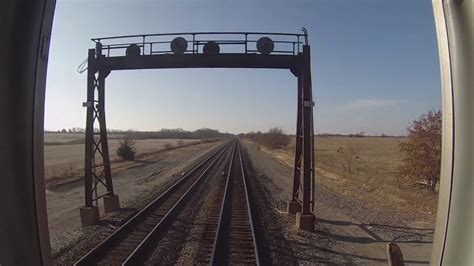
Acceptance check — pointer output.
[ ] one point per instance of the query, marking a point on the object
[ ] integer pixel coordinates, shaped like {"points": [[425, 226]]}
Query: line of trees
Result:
{"points": [[69, 130], [358, 135], [82, 130], [202, 133], [178, 133], [274, 138]]}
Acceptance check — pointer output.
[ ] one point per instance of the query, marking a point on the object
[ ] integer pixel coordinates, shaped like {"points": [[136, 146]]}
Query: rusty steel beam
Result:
{"points": [[299, 139], [89, 142], [302, 198], [93, 147], [200, 61], [307, 138], [103, 130]]}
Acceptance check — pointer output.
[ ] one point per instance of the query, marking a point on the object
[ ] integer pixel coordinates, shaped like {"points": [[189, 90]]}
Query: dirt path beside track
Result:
{"points": [[346, 232]]}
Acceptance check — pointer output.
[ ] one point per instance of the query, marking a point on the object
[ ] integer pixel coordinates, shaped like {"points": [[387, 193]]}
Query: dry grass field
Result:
{"points": [[64, 152], [373, 175]]}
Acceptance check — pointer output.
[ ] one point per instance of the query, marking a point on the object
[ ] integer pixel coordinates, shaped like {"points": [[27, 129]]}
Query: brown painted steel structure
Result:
{"points": [[291, 53]]}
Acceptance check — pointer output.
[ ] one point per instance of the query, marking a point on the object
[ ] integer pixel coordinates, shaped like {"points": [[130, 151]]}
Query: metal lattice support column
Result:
{"points": [[294, 205], [97, 177], [302, 201]]}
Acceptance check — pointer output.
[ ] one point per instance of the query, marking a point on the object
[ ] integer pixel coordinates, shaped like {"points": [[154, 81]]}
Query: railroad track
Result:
{"points": [[235, 241], [128, 243]]}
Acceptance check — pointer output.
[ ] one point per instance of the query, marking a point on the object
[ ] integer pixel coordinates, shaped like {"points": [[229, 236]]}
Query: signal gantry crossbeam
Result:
{"points": [[197, 50]]}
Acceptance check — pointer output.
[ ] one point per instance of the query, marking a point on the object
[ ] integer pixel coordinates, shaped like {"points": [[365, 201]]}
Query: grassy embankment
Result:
{"points": [[373, 178]]}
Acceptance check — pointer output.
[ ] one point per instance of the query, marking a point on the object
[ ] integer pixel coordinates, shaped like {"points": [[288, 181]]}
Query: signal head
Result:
{"points": [[211, 47], [179, 45], [265, 45], [132, 50]]}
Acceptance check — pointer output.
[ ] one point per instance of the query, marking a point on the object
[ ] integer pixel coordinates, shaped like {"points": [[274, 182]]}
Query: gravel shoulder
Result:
{"points": [[346, 232], [136, 185]]}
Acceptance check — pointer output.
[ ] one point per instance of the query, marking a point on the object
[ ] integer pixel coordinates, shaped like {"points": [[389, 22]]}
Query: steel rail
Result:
{"points": [[244, 178], [201, 42], [223, 205], [226, 213], [99, 251], [196, 42], [98, 39], [138, 255]]}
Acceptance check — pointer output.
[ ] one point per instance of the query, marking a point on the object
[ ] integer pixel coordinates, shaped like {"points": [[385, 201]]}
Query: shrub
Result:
{"points": [[168, 146], [423, 150], [275, 138], [126, 149]]}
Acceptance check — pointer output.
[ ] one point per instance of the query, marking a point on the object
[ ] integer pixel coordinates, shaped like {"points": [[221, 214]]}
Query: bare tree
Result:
{"points": [[349, 154]]}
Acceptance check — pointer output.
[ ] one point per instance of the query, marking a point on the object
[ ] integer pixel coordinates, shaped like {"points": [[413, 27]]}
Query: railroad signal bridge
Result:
{"points": [[197, 50]]}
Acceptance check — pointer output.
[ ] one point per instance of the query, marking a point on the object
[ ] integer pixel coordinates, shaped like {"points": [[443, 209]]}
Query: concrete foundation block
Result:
{"points": [[89, 215], [293, 206], [111, 203], [305, 221]]}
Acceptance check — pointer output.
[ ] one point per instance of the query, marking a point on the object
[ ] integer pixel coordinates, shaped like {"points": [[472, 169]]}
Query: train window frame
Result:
{"points": [[28, 241]]}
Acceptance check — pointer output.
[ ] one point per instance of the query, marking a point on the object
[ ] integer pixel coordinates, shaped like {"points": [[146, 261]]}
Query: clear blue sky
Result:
{"points": [[374, 66]]}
